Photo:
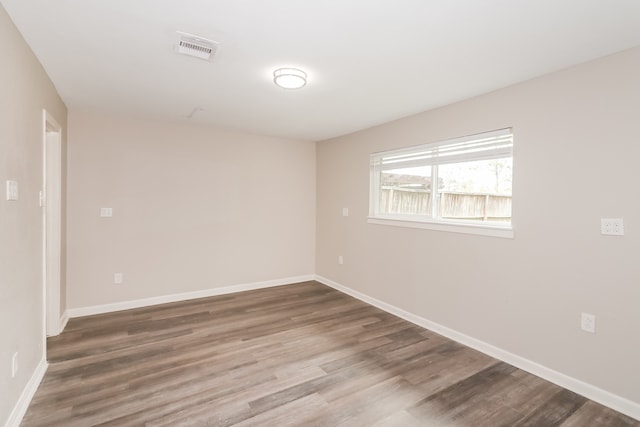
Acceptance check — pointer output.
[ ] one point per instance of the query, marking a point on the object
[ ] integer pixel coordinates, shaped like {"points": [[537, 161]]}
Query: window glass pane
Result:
{"points": [[406, 191], [478, 190]]}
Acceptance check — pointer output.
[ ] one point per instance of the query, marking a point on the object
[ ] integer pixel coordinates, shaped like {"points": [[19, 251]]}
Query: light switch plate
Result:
{"points": [[106, 212], [12, 190]]}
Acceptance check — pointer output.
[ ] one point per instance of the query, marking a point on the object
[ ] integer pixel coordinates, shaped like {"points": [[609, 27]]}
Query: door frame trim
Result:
{"points": [[52, 222]]}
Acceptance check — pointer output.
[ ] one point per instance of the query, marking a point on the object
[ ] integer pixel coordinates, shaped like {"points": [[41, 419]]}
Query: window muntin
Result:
{"points": [[460, 181]]}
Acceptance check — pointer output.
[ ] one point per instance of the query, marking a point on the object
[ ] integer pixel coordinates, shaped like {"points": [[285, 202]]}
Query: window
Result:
{"points": [[462, 184]]}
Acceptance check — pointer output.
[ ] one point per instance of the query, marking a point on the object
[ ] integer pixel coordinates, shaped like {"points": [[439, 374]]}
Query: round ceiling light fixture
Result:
{"points": [[290, 78]]}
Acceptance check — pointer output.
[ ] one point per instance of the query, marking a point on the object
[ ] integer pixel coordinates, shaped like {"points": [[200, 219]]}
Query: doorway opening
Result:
{"points": [[51, 202]]}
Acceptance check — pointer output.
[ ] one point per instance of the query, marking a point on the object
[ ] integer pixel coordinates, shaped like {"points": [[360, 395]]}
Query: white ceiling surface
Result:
{"points": [[368, 61]]}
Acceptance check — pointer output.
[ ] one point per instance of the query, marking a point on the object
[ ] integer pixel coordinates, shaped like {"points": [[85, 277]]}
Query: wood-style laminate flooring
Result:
{"points": [[296, 355]]}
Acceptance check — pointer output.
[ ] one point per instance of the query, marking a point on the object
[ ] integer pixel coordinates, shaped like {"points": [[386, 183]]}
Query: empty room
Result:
{"points": [[306, 213]]}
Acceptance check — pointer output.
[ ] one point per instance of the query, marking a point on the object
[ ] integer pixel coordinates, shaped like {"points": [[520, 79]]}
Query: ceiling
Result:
{"points": [[368, 61]]}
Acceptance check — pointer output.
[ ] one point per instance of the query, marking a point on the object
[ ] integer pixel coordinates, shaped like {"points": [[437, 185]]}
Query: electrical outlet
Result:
{"points": [[588, 322], [106, 212], [340, 260], [117, 278], [14, 365], [612, 226]]}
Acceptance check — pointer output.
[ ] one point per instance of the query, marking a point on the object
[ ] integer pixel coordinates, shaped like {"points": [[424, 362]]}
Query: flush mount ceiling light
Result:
{"points": [[290, 78]]}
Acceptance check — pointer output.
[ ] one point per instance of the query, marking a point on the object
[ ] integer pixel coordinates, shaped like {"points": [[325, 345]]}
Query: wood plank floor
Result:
{"points": [[297, 355]]}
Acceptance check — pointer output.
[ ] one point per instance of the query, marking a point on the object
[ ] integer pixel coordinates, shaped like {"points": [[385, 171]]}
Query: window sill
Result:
{"points": [[478, 229]]}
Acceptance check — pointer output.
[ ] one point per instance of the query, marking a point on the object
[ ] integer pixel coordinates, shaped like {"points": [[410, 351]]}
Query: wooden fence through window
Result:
{"points": [[486, 207]]}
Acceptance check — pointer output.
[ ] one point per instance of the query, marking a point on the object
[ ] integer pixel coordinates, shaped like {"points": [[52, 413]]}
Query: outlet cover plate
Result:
{"points": [[14, 365], [612, 226], [588, 322]]}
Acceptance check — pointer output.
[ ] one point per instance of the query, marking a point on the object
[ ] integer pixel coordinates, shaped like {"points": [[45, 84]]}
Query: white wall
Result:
{"points": [[194, 208], [25, 91], [576, 152]]}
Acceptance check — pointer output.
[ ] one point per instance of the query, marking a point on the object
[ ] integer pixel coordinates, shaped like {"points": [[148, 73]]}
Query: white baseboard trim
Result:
{"points": [[64, 320], [15, 418], [589, 391], [126, 305], [62, 323]]}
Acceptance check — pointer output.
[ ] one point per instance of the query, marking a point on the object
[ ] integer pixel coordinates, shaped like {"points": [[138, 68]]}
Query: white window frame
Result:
{"points": [[483, 146]]}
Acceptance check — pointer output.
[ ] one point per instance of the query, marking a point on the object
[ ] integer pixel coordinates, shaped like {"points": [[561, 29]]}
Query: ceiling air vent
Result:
{"points": [[196, 46]]}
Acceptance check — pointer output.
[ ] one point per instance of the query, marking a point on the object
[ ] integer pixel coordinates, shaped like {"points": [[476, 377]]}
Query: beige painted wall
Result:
{"points": [[197, 208], [194, 208], [577, 145], [25, 90]]}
